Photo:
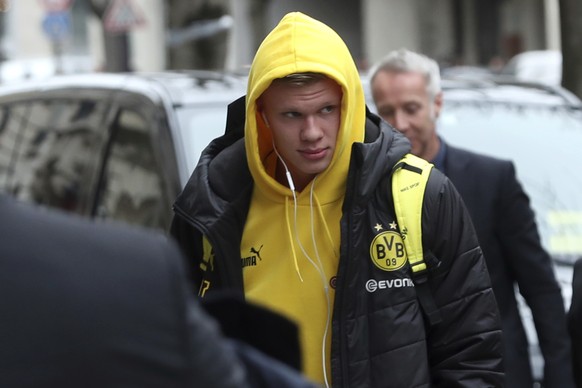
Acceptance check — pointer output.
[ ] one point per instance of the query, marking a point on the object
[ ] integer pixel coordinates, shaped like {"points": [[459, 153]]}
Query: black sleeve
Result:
{"points": [[265, 372], [532, 266], [465, 349], [190, 242], [214, 360]]}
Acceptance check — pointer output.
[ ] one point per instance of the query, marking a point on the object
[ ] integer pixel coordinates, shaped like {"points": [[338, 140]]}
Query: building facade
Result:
{"points": [[175, 34]]}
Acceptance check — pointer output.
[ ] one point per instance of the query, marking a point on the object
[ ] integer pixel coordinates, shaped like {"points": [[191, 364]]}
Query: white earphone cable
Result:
{"points": [[318, 266]]}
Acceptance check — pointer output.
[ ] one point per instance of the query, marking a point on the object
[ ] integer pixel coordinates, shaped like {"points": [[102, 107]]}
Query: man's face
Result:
{"points": [[402, 100], [304, 121]]}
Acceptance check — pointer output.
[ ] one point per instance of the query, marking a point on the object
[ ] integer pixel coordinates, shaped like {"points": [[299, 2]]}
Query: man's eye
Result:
{"points": [[328, 109], [387, 113], [411, 110]]}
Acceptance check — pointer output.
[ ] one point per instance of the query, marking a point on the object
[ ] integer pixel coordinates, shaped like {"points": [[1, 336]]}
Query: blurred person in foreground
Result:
{"points": [[91, 305], [575, 322], [407, 92], [287, 206]]}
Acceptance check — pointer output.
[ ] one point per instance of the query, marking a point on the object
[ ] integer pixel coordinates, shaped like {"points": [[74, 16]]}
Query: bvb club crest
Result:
{"points": [[387, 251]]}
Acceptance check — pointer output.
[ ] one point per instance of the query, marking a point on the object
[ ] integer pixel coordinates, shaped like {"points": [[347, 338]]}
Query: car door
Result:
{"points": [[139, 176]]}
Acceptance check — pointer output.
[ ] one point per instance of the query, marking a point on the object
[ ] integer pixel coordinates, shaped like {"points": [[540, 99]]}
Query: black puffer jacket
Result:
{"points": [[379, 335]]}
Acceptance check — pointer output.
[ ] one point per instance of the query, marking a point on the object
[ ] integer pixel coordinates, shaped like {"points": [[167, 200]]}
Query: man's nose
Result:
{"points": [[311, 129], [401, 121]]}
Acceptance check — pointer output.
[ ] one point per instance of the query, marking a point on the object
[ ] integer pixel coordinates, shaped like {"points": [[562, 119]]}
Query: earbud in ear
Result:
{"points": [[265, 120]]}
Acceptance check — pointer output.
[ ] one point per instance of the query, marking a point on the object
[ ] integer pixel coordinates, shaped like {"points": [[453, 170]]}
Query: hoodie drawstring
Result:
{"points": [[290, 233], [319, 265]]}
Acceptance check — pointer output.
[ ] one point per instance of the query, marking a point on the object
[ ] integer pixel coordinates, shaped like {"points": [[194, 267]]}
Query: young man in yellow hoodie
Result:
{"points": [[293, 208]]}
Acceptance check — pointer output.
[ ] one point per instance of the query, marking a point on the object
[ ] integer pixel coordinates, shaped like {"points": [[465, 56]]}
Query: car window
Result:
{"points": [[132, 188], [544, 143], [10, 124], [49, 150], [199, 126]]}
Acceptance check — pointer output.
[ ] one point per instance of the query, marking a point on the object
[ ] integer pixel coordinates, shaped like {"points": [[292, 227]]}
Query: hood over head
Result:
{"points": [[301, 44]]}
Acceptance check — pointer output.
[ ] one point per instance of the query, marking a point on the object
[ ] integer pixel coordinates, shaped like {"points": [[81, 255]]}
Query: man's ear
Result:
{"points": [[261, 110], [438, 104], [265, 119]]}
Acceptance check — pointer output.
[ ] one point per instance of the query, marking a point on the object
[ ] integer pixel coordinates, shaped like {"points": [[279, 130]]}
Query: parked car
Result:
{"points": [[539, 127], [467, 72], [110, 146], [544, 66], [121, 146]]}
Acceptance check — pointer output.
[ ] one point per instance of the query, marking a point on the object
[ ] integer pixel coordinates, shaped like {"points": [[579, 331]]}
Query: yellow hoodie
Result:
{"points": [[290, 246]]}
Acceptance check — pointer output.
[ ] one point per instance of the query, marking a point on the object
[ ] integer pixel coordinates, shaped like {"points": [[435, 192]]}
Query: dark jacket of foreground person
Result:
{"points": [[89, 305]]}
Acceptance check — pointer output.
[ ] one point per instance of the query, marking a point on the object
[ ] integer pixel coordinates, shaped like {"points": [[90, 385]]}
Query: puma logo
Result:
{"points": [[258, 253]]}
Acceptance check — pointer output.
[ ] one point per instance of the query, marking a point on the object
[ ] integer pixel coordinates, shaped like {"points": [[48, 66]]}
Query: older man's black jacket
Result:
{"points": [[575, 322], [508, 235]]}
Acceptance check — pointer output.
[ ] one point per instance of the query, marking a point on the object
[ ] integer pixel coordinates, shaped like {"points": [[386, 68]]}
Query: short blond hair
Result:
{"points": [[301, 79]]}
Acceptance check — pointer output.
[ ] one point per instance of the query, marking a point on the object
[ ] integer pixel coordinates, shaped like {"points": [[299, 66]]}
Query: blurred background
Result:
{"points": [[41, 37], [117, 137]]}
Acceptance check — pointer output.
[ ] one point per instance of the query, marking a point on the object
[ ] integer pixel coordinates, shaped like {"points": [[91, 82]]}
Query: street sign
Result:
{"points": [[122, 16], [57, 5], [57, 25], [4, 5]]}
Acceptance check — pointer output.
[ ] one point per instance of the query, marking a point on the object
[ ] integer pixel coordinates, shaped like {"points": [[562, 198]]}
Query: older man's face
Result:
{"points": [[402, 100]]}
